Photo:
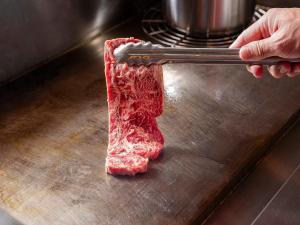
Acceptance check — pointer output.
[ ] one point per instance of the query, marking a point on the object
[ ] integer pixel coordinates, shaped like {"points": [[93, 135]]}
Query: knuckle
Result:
{"points": [[259, 48]]}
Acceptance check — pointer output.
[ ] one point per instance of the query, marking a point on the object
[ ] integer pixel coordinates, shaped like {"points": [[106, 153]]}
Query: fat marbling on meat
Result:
{"points": [[135, 99]]}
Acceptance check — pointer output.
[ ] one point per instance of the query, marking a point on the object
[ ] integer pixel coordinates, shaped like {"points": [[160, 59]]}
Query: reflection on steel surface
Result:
{"points": [[160, 32], [34, 31], [269, 195]]}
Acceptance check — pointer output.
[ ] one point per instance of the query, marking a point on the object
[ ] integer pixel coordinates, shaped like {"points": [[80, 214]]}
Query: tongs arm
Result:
{"points": [[148, 53]]}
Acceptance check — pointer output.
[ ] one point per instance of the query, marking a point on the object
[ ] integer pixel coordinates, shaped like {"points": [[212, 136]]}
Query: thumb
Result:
{"points": [[257, 50]]}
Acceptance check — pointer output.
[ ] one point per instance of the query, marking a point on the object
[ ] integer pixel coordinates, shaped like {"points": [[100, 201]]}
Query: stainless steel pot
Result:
{"points": [[208, 17]]}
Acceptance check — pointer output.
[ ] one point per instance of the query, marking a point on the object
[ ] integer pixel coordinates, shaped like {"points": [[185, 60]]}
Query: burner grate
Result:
{"points": [[159, 31]]}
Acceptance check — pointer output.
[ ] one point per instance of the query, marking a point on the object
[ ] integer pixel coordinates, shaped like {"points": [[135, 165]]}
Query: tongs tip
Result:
{"points": [[125, 53]]}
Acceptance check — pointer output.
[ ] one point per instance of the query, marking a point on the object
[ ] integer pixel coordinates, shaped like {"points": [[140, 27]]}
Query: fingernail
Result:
{"points": [[283, 69]]}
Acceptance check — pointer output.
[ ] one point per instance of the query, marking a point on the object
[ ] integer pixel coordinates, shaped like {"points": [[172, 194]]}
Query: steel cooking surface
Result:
{"points": [[53, 135], [159, 31]]}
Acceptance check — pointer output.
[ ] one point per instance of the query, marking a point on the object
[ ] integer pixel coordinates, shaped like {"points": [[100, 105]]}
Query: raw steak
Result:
{"points": [[135, 99]]}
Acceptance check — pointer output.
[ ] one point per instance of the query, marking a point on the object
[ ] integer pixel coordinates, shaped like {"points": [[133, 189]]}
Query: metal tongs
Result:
{"points": [[146, 53]]}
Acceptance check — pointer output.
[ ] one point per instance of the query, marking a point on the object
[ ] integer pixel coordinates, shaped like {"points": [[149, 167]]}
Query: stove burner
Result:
{"points": [[159, 31]]}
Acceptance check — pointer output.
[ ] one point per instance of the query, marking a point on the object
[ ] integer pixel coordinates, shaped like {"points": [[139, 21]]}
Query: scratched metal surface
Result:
{"points": [[270, 195], [53, 135]]}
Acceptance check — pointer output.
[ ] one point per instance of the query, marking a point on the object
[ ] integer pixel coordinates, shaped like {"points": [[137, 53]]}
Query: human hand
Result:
{"points": [[277, 33]]}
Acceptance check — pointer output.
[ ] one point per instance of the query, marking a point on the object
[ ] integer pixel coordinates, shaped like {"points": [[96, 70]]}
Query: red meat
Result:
{"points": [[135, 99]]}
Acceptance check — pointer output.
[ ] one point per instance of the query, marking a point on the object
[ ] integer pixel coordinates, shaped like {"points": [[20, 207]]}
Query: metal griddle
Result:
{"points": [[270, 194], [217, 122]]}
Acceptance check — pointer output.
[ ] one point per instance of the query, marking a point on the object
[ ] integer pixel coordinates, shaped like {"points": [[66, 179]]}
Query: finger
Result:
{"points": [[256, 70], [295, 70], [248, 68], [258, 50], [274, 71], [279, 70], [252, 33]]}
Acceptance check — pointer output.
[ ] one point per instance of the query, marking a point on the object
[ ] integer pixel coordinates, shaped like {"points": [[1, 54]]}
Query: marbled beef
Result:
{"points": [[135, 99]]}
